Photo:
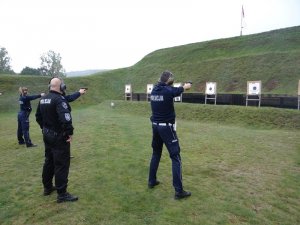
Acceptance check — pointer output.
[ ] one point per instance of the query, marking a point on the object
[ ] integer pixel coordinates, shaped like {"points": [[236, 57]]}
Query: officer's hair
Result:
{"points": [[22, 89], [167, 77]]}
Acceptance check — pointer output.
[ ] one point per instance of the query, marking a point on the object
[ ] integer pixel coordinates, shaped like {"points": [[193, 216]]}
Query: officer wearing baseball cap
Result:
{"points": [[163, 131]]}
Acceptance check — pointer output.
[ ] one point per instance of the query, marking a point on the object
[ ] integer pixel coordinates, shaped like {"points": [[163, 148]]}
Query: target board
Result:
{"points": [[149, 88], [254, 87], [178, 98], [253, 92], [211, 91], [128, 89], [128, 92], [211, 88]]}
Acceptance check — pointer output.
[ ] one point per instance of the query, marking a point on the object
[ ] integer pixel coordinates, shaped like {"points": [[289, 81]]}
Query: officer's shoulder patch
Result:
{"points": [[67, 116], [64, 105]]}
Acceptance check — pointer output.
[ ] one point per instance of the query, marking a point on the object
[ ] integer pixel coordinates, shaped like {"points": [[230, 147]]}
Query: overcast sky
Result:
{"points": [[110, 34]]}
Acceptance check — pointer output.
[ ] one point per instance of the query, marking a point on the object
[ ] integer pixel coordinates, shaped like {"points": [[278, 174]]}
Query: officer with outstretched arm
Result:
{"points": [[163, 131], [75, 95], [54, 117], [23, 116]]}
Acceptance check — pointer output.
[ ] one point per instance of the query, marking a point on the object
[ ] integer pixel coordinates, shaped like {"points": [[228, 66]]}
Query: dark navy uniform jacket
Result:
{"points": [[72, 97], [162, 102], [54, 113], [24, 102]]}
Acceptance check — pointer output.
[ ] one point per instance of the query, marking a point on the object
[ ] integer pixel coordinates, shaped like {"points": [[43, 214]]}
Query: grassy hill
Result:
{"points": [[273, 57]]}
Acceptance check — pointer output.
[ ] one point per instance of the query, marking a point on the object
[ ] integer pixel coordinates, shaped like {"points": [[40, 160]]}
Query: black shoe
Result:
{"points": [[66, 197], [31, 145], [49, 191], [154, 184], [182, 194], [21, 143]]}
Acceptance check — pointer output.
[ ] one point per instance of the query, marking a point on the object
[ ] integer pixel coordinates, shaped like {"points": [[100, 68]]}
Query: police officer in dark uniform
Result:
{"points": [[23, 116], [54, 117], [73, 97], [163, 120]]}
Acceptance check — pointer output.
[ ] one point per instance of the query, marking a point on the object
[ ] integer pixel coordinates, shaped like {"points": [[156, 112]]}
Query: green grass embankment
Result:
{"points": [[266, 117]]}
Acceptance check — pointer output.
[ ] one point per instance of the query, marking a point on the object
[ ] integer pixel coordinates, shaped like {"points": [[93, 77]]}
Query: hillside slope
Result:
{"points": [[273, 57]]}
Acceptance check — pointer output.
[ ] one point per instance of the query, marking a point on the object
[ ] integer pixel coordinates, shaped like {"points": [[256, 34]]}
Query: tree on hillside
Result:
{"points": [[51, 65], [5, 62], [30, 71]]}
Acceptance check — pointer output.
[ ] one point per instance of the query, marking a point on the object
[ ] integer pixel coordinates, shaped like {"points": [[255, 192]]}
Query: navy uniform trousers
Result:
{"points": [[57, 162], [23, 127], [166, 135]]}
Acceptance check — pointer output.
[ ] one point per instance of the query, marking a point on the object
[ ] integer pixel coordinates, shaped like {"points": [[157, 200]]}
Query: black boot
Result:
{"points": [[182, 194], [48, 191], [154, 184], [66, 197]]}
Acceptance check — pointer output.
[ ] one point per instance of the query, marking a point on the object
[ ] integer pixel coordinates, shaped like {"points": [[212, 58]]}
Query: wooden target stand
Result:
{"points": [[128, 92], [211, 91], [253, 92]]}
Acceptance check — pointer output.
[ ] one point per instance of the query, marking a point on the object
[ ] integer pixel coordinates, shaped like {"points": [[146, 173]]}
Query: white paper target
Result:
{"points": [[211, 88], [149, 88], [127, 88], [177, 99], [254, 87]]}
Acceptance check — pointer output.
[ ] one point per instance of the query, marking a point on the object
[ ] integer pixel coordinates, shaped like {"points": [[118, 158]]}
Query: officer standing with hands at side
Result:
{"points": [[54, 117], [163, 131]]}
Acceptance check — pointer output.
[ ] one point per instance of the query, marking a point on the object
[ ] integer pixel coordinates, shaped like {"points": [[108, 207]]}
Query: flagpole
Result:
{"points": [[242, 15], [241, 33]]}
